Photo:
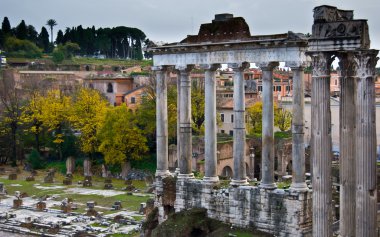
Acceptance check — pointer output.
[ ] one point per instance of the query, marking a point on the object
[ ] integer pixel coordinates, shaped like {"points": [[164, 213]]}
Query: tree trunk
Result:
{"points": [[14, 155], [125, 168]]}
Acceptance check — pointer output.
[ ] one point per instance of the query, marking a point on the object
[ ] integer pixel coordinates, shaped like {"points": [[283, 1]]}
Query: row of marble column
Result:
{"points": [[358, 189], [184, 125]]}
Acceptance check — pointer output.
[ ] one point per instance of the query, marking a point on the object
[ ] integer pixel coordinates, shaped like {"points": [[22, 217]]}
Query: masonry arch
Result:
{"points": [[227, 171]]}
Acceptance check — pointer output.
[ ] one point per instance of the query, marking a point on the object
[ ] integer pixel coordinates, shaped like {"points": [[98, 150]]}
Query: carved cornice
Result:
{"points": [[321, 63], [366, 63], [269, 66]]}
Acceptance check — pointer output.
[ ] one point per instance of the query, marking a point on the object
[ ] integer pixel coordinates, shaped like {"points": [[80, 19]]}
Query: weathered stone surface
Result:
{"points": [[17, 203], [279, 212]]}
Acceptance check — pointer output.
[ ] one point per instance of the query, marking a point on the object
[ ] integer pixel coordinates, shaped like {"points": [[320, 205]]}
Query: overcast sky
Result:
{"points": [[172, 20]]}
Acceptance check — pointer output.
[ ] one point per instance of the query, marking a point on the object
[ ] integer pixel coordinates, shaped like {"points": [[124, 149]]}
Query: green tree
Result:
{"points": [[51, 23], [54, 116], [59, 39], [121, 139], [22, 48], [32, 114], [43, 40], [87, 116], [21, 31], [283, 119], [11, 109], [255, 115], [6, 27], [32, 34], [197, 108]]}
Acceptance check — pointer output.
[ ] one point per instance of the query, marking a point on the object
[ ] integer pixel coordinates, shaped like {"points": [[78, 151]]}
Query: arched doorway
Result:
{"points": [[227, 172]]}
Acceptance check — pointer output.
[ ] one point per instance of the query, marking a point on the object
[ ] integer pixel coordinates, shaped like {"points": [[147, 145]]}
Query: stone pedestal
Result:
{"points": [[41, 206], [87, 167], [87, 181], [108, 183], [17, 203], [12, 176], [30, 178]]}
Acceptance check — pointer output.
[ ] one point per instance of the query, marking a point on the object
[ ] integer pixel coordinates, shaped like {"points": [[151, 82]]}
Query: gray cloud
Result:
{"points": [[171, 21]]}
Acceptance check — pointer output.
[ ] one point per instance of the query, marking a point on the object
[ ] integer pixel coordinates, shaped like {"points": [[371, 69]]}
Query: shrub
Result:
{"points": [[35, 160]]}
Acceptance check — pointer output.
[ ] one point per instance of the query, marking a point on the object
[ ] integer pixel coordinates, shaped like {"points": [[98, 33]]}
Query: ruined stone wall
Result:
{"points": [[279, 212]]}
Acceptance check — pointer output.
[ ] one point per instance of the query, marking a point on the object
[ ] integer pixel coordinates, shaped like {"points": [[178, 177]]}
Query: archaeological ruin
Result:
{"points": [[299, 210]]}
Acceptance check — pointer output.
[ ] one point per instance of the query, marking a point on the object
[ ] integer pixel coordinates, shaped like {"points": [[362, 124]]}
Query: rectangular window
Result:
{"points": [[222, 131], [222, 117], [274, 88], [133, 100], [278, 88], [287, 88], [260, 88], [232, 118], [231, 132]]}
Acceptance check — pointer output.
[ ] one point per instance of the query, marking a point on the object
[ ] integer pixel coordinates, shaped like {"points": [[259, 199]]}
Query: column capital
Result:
{"points": [[267, 66], [347, 66], [239, 66], [161, 68], [184, 69], [365, 62], [321, 63], [211, 67], [294, 65]]}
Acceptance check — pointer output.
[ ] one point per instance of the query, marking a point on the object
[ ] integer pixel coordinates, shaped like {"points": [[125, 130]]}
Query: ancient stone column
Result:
{"points": [[366, 187], [178, 120], [267, 154], [298, 144], [161, 120], [87, 167], [321, 145], [347, 146], [185, 124], [239, 173], [211, 175]]}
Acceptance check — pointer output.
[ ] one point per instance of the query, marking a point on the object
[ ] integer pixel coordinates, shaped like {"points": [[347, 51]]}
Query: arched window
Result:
{"points": [[110, 88]]}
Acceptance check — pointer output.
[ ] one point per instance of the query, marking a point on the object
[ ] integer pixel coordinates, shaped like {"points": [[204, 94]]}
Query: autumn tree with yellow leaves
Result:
{"points": [[121, 139], [86, 116]]}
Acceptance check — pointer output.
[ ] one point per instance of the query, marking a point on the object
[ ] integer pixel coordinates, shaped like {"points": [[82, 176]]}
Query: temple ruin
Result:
{"points": [[298, 211]]}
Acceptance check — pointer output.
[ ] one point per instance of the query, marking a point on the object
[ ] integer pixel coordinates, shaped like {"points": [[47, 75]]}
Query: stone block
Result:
{"points": [[108, 186], [30, 178], [12, 176]]}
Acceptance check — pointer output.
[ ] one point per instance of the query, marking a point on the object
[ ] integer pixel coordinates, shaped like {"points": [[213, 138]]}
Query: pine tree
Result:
{"points": [[6, 27], [21, 30], [43, 40]]}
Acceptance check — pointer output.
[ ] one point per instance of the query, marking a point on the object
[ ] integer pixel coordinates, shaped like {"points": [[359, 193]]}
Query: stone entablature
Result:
{"points": [[279, 212]]}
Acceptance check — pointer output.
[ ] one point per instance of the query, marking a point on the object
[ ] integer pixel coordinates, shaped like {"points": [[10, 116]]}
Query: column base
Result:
{"points": [[185, 176], [300, 187], [241, 182], [162, 173], [210, 180], [177, 171], [268, 186]]}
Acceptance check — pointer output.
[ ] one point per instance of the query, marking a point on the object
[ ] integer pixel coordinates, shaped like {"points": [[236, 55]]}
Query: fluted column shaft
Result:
{"points": [[267, 153], [239, 174], [366, 188], [321, 145], [210, 124], [185, 125], [161, 120], [347, 146], [298, 144]]}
